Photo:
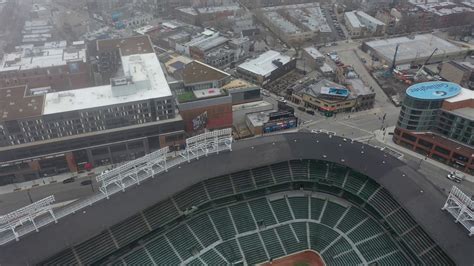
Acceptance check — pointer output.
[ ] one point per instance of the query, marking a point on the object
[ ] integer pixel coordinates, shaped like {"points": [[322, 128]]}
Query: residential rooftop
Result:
{"points": [[353, 19], [313, 52], [368, 17], [53, 54], [127, 46], [445, 8], [264, 64], [216, 9]]}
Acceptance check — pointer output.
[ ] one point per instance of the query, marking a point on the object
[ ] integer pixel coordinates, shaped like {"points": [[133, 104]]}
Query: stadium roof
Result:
{"points": [[410, 188]]}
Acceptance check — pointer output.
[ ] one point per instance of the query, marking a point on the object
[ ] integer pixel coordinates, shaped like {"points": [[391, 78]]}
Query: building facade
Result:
{"points": [[461, 73], [437, 120], [45, 132]]}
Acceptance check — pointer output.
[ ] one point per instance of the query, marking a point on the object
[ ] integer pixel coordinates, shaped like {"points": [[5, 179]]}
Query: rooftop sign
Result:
{"points": [[435, 90]]}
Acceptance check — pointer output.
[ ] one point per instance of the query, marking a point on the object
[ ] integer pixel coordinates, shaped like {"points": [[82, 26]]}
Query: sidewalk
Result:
{"points": [[51, 180], [388, 141]]}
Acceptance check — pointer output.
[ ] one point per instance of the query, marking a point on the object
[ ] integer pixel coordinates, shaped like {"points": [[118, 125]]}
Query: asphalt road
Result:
{"points": [[62, 192]]}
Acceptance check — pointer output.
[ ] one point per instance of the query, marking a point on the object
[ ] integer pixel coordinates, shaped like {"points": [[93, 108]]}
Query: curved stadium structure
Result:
{"points": [[270, 197]]}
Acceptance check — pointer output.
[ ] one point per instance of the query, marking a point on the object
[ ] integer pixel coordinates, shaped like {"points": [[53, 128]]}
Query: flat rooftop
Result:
{"points": [[128, 46], [313, 52], [259, 118], [238, 84], [29, 57], [264, 65], [198, 72], [420, 46], [464, 95], [14, 104], [146, 72], [466, 112], [216, 9], [445, 8]]}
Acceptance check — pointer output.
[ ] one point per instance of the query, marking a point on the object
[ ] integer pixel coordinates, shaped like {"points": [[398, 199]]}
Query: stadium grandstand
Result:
{"points": [[267, 198]]}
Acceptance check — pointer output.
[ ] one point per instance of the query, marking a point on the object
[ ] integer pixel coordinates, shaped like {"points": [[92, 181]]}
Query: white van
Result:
{"points": [[455, 176]]}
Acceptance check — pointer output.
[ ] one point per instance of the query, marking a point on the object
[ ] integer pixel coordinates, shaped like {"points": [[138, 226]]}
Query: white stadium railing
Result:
{"points": [[461, 207], [31, 218], [12, 220]]}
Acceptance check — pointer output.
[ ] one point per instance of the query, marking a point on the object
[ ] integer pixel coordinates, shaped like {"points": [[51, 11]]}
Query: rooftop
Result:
{"points": [[464, 95], [128, 46], [466, 112], [445, 8], [259, 118], [148, 83], [264, 64], [238, 84], [366, 16], [353, 19], [197, 72], [15, 105], [326, 87], [215, 9], [313, 52], [419, 46], [51, 54]]}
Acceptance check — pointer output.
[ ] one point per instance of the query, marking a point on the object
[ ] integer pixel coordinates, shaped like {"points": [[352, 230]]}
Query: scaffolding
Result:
{"points": [[461, 207]]}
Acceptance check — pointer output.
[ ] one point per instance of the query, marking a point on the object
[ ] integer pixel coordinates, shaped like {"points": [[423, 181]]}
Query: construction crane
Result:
{"points": [[394, 58], [426, 62], [390, 71]]}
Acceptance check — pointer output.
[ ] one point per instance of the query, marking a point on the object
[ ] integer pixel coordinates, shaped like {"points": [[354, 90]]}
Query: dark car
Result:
{"points": [[69, 180], [311, 112], [302, 109], [86, 182]]}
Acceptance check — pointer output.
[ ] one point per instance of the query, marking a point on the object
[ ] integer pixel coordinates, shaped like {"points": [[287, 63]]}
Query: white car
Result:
{"points": [[455, 176]]}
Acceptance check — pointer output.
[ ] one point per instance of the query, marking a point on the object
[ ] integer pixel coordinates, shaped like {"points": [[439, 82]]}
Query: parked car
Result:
{"points": [[456, 176], [302, 109], [311, 112], [69, 180]]}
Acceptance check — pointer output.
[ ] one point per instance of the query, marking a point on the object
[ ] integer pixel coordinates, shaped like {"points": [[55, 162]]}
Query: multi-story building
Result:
{"points": [[202, 102], [313, 58], [266, 67], [45, 131], [359, 23], [461, 73], [54, 64], [330, 97], [437, 120]]}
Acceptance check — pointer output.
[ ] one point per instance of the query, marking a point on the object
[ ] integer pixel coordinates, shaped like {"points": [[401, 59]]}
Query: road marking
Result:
{"points": [[349, 125]]}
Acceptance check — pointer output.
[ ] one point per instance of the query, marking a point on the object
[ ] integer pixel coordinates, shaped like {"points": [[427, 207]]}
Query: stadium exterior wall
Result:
{"points": [[408, 187]]}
